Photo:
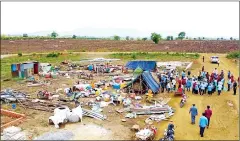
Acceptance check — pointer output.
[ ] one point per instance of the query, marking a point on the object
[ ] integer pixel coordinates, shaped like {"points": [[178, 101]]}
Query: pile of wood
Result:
{"points": [[151, 110], [41, 105]]}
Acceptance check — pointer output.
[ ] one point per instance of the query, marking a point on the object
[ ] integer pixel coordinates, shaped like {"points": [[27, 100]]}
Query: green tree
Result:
{"points": [[116, 37], [231, 38], [156, 37], [222, 38], [127, 38], [25, 35], [169, 38], [144, 39], [54, 34], [181, 35], [74, 36]]}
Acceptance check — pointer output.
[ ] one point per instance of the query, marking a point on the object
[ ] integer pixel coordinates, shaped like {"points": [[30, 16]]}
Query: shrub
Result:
{"points": [[233, 55], [133, 56], [53, 54], [19, 54]]}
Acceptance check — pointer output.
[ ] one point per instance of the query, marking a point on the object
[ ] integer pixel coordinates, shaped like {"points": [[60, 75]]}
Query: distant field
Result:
{"points": [[41, 45]]}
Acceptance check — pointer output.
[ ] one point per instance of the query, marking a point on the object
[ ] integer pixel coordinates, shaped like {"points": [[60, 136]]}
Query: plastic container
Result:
{"points": [[116, 86], [14, 106]]}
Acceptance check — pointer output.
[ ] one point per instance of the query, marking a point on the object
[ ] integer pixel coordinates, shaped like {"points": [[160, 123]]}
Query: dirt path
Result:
{"points": [[224, 122]]}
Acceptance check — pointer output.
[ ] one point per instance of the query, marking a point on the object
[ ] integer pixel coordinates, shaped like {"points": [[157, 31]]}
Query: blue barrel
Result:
{"points": [[14, 106]]}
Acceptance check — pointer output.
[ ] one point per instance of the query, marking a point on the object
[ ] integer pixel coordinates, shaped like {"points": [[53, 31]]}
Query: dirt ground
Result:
{"points": [[80, 45], [224, 122]]}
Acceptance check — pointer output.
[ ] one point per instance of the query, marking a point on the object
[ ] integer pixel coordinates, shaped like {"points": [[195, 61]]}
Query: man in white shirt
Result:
{"points": [[174, 84]]}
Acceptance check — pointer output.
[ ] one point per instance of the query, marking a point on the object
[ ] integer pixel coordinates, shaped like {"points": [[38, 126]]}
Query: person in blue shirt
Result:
{"points": [[194, 112], [229, 74], [183, 74], [189, 84], [203, 122], [210, 89]]}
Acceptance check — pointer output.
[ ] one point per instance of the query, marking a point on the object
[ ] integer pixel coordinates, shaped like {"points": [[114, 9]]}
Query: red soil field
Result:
{"points": [[41, 45]]}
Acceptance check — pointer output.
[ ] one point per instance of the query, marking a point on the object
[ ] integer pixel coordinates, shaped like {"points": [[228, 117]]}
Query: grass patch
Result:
{"points": [[6, 62], [155, 56], [53, 54], [233, 55]]}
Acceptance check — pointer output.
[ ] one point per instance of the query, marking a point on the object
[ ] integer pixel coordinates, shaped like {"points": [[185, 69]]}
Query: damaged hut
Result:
{"points": [[25, 70], [142, 82]]}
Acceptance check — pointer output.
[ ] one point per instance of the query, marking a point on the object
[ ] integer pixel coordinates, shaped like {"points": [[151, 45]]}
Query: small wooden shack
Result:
{"points": [[25, 70]]}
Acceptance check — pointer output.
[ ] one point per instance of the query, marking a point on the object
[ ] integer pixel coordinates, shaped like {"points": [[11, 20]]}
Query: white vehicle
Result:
{"points": [[214, 59]]}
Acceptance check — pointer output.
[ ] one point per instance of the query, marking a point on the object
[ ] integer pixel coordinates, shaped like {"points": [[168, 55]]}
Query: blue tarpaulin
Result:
{"points": [[150, 81], [144, 65]]}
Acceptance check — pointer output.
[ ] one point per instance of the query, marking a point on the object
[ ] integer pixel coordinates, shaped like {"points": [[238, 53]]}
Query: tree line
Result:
{"points": [[155, 37]]}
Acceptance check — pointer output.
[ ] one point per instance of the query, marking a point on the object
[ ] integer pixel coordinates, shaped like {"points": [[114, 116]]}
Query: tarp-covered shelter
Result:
{"points": [[144, 81], [25, 70], [144, 65]]}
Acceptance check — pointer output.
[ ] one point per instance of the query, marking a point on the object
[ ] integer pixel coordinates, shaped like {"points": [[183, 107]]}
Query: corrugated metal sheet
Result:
{"points": [[28, 66]]}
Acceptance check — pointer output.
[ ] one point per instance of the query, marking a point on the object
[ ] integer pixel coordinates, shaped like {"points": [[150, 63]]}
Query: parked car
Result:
{"points": [[214, 59]]}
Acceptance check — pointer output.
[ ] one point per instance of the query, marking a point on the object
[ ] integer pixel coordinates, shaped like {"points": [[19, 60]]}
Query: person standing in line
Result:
{"points": [[229, 74], [193, 87], [219, 88], [234, 87], [203, 122], [194, 112], [202, 88], [209, 89], [168, 87], [202, 68], [188, 85], [189, 73], [208, 114], [229, 84], [174, 84], [203, 59], [218, 63]]}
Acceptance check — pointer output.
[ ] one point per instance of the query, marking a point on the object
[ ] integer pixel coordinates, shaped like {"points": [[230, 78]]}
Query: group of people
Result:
{"points": [[204, 83], [204, 120]]}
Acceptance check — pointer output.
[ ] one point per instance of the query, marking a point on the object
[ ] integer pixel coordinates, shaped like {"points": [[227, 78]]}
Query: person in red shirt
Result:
{"points": [[179, 83], [193, 88], [232, 78], [208, 114]]}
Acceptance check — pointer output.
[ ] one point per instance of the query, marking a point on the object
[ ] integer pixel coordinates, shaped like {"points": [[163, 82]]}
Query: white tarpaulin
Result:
{"points": [[174, 64]]}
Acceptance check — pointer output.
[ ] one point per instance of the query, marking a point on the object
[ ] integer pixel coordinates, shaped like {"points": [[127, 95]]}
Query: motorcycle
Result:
{"points": [[168, 135], [183, 100]]}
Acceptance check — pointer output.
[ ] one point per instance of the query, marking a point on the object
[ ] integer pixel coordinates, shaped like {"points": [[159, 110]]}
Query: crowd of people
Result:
{"points": [[203, 83]]}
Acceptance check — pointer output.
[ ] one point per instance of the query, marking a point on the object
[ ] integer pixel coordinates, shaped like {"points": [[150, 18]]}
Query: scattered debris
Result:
{"points": [[135, 127], [131, 115], [124, 120], [13, 133], [144, 134]]}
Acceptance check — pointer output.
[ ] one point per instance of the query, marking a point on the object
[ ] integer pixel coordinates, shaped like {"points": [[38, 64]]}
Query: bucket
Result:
{"points": [[14, 106]]}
